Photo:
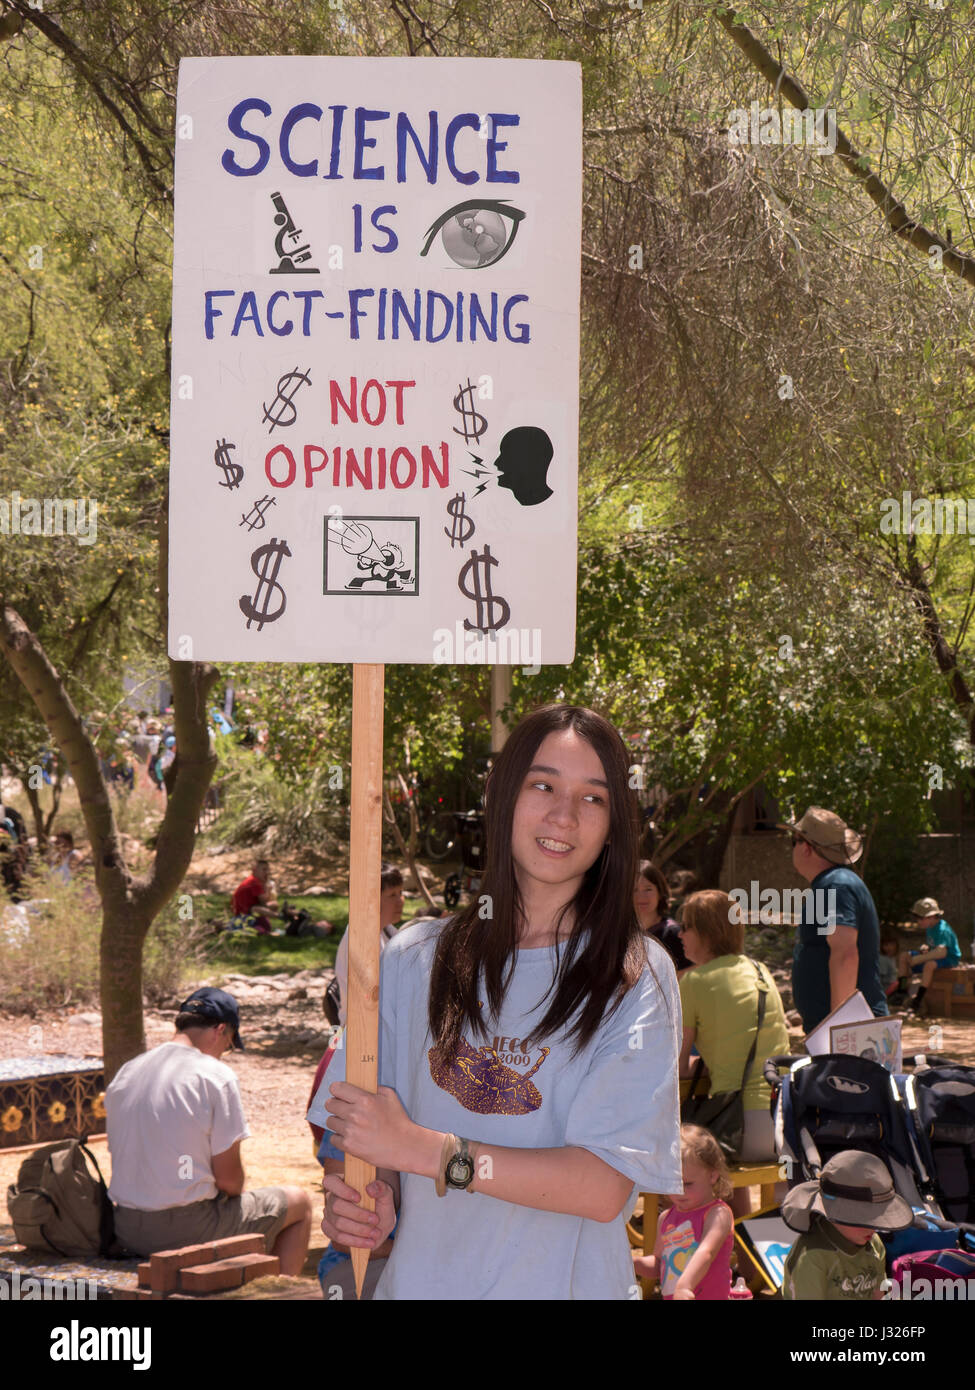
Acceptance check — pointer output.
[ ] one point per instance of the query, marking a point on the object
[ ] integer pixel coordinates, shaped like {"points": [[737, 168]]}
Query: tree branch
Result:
{"points": [[73, 55], [894, 212]]}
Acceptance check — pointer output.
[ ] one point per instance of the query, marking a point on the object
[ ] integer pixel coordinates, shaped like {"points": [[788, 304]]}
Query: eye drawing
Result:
{"points": [[474, 234]]}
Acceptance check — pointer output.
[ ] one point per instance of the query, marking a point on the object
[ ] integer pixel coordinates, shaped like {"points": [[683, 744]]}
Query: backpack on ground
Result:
{"points": [[56, 1204]]}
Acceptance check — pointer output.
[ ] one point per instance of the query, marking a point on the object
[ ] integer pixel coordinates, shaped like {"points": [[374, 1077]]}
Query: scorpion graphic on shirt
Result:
{"points": [[484, 1084]]}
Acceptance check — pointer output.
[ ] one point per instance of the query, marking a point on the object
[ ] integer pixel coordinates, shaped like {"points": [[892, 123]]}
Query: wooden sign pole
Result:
{"points": [[365, 860]]}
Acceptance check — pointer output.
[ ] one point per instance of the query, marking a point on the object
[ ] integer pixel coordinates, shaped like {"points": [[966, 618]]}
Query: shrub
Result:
{"points": [[258, 804], [49, 948]]}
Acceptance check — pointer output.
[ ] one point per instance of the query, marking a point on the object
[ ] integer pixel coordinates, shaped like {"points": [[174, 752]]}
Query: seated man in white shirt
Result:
{"points": [[175, 1123]]}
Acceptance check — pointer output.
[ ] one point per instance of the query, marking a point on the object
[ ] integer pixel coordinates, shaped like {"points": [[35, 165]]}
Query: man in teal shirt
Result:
{"points": [[939, 952], [838, 938]]}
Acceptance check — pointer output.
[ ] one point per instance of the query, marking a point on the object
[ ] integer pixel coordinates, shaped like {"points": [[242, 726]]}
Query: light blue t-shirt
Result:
{"points": [[617, 1098]]}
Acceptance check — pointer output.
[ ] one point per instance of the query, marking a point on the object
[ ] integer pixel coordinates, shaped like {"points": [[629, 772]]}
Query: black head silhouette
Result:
{"points": [[522, 464]]}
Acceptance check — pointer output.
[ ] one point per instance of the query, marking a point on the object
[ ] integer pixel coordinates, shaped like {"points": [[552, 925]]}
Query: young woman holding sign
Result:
{"points": [[528, 1050]]}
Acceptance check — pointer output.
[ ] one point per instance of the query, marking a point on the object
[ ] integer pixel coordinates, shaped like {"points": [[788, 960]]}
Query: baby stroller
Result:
{"points": [[921, 1125], [823, 1105], [470, 831], [939, 1104]]}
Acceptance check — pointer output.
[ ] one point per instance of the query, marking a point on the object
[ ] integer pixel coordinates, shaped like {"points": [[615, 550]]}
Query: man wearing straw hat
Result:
{"points": [[838, 939]]}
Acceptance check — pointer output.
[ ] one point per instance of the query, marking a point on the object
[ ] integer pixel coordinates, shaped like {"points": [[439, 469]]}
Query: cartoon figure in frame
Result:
{"points": [[382, 563], [522, 464]]}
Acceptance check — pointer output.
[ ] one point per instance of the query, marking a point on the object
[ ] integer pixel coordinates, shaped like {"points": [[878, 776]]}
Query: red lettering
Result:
{"points": [[381, 415], [394, 471], [398, 388], [353, 471], [336, 398], [354, 403], [292, 466], [426, 456], [309, 468]]}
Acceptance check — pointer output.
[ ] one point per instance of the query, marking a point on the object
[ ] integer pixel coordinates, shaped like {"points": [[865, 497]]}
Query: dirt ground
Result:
{"points": [[284, 1033]]}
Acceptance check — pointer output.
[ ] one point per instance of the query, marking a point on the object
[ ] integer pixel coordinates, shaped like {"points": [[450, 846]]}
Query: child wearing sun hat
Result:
{"points": [[839, 1254]]}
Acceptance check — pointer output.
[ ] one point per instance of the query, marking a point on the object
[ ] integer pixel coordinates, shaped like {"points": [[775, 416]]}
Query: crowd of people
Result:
{"points": [[531, 1048], [17, 850]]}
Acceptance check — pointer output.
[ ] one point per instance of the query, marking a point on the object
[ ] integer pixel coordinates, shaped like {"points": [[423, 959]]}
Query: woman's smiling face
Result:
{"points": [[561, 819]]}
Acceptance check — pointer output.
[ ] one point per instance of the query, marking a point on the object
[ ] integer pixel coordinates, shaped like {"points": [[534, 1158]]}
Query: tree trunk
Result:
{"points": [[129, 904], [57, 786], [35, 809], [945, 656], [123, 1028]]}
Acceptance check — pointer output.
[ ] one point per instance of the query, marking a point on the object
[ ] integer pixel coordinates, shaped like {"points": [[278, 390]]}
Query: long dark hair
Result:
{"points": [[604, 955]]}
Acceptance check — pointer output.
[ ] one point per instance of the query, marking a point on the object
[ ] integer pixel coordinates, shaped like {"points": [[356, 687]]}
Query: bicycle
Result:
{"points": [[436, 832]]}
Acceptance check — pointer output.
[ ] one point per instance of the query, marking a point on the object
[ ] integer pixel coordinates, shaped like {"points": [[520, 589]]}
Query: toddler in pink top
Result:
{"points": [[692, 1254]]}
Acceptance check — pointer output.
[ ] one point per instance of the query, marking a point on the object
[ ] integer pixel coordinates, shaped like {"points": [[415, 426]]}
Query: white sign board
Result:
{"points": [[855, 1009], [375, 360]]}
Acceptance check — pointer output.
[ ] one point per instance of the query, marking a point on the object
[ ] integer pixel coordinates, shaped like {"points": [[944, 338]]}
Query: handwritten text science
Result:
{"points": [[375, 359]]}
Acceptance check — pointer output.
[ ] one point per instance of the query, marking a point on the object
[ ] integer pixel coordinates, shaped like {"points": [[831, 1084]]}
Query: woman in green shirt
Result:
{"points": [[719, 1001]]}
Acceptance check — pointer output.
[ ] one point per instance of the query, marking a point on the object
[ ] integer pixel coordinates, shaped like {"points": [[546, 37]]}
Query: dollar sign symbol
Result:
{"points": [[480, 591], [232, 472], [458, 535], [468, 410], [260, 507], [286, 399], [265, 562]]}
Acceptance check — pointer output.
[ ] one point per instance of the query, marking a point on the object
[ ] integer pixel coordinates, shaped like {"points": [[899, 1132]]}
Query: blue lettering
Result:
{"points": [[494, 174], [432, 297], [401, 311], [210, 310], [236, 128], [247, 313], [307, 296], [392, 240], [337, 119], [286, 328], [355, 313], [428, 159], [305, 112], [476, 316], [364, 142], [523, 334], [453, 130]]}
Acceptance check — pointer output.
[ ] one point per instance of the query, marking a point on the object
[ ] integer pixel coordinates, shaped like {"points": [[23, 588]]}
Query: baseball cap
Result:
{"points": [[216, 1006]]}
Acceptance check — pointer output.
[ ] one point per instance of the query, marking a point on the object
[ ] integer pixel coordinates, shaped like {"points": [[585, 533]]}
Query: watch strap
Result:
{"points": [[446, 1153]]}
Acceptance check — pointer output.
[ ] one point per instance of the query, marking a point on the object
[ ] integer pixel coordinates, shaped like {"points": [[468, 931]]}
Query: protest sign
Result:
{"points": [[375, 360]]}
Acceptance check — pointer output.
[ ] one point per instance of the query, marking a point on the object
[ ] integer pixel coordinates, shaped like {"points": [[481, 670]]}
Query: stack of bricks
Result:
{"points": [[203, 1269]]}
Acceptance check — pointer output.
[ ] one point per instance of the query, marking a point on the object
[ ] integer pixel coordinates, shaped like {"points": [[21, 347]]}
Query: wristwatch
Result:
{"points": [[458, 1172]]}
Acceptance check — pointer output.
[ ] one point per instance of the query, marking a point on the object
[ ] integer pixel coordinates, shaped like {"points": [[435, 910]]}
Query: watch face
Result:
{"points": [[460, 1171]]}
